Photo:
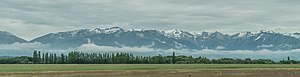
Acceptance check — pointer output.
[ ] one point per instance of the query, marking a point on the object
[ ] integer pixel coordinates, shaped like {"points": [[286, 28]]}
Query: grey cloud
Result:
{"points": [[228, 16]]}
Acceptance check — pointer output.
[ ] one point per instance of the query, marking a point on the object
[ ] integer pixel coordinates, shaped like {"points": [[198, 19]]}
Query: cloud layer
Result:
{"points": [[265, 54], [21, 49], [23, 46], [32, 18]]}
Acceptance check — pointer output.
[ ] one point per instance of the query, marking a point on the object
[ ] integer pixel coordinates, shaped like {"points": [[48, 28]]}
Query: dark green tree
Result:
{"points": [[35, 57], [51, 58], [46, 58], [55, 58], [174, 58], [43, 58], [62, 58], [39, 57]]}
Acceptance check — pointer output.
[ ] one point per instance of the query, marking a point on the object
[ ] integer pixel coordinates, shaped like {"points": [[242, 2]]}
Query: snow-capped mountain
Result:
{"points": [[264, 40], [8, 38], [171, 39], [295, 35]]}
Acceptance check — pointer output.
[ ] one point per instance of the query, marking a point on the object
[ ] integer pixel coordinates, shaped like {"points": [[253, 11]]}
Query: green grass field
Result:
{"points": [[147, 70], [80, 67]]}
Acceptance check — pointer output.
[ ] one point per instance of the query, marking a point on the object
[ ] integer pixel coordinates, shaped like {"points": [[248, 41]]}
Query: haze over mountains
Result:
{"points": [[168, 39]]}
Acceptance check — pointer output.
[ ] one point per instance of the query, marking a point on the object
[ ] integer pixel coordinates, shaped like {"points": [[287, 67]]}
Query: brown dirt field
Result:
{"points": [[164, 73]]}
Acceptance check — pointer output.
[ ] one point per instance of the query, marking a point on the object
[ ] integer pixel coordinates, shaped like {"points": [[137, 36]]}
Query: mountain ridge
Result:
{"points": [[171, 39], [8, 38]]}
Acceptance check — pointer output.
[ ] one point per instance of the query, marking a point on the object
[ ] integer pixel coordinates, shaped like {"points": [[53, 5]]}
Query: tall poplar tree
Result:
{"points": [[62, 58], [34, 57], [55, 58], [39, 57], [173, 58], [46, 58]]}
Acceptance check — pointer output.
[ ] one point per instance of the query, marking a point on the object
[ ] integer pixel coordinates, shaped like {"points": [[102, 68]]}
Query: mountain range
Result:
{"points": [[163, 39]]}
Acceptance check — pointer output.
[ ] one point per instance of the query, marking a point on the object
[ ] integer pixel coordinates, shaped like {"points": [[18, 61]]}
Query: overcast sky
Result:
{"points": [[32, 18]]}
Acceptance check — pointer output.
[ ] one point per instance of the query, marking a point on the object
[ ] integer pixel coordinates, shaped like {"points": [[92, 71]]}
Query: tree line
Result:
{"points": [[75, 57], [98, 58]]}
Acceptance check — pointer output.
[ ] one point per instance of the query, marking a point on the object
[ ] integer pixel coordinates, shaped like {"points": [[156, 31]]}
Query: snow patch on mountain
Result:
{"points": [[258, 37], [140, 35], [265, 46], [89, 41], [108, 30], [177, 34], [295, 35], [244, 34], [220, 48], [179, 45], [160, 40]]}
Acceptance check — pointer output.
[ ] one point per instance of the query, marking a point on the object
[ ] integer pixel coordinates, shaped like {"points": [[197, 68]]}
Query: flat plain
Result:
{"points": [[149, 70]]}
